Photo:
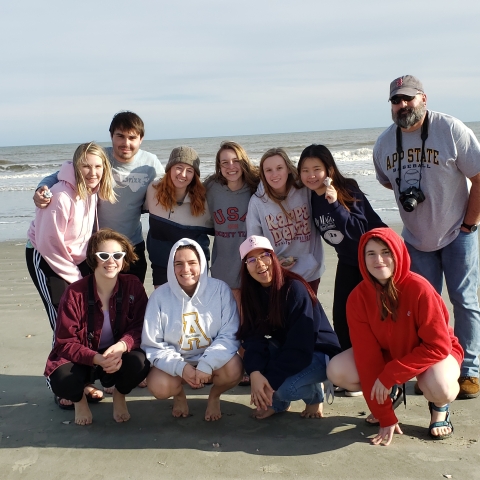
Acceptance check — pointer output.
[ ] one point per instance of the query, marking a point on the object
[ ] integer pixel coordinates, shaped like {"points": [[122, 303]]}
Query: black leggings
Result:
{"points": [[346, 279], [69, 380], [49, 284]]}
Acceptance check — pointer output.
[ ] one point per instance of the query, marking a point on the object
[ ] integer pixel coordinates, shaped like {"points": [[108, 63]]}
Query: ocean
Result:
{"points": [[21, 168]]}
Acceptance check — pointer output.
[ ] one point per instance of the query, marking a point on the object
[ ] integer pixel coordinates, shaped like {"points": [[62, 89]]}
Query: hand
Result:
{"points": [[379, 392], [331, 194], [189, 374], [286, 263], [261, 391], [202, 378], [110, 363], [385, 434], [38, 198]]}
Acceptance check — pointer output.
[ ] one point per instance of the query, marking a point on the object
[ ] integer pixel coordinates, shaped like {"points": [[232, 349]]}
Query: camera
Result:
{"points": [[410, 198]]}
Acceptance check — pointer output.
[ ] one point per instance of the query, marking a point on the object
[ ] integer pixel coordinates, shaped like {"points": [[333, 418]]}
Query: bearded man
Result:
{"points": [[426, 157]]}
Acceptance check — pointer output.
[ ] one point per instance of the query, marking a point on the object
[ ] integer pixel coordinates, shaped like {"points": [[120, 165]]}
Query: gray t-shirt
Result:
{"points": [[452, 155]]}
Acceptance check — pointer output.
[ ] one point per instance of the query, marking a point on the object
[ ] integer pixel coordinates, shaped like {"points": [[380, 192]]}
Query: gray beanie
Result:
{"points": [[186, 155]]}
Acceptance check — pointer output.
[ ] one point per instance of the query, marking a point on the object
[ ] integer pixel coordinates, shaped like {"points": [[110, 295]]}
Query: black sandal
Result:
{"points": [[443, 423], [61, 405]]}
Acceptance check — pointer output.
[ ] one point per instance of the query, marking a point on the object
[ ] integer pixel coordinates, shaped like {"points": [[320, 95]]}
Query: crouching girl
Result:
{"points": [[286, 336], [189, 332], [98, 329]]}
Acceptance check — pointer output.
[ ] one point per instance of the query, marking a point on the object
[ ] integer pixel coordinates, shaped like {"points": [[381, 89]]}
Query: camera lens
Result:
{"points": [[410, 204]]}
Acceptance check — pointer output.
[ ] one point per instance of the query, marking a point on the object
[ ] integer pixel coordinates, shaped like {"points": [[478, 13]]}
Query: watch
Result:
{"points": [[472, 228]]}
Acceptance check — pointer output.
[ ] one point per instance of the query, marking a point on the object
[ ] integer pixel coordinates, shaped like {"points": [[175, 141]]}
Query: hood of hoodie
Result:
{"points": [[172, 279], [67, 174], [397, 247]]}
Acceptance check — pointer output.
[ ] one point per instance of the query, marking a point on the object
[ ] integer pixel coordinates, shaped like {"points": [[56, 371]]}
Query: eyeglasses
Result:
{"points": [[402, 98], [104, 256], [265, 257]]}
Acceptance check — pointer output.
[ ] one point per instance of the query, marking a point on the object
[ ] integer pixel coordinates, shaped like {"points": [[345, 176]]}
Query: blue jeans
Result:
{"points": [[305, 385], [458, 261]]}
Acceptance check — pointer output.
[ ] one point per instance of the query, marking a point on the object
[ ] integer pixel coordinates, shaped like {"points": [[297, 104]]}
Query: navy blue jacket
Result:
{"points": [[306, 329], [341, 228]]}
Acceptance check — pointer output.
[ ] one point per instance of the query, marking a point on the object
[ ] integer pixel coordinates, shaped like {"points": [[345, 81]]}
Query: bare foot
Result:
{"points": [[261, 414], [313, 411], [120, 410], [180, 406], [213, 410], [142, 384], [372, 420], [439, 417], [109, 390], [93, 394], [83, 415]]}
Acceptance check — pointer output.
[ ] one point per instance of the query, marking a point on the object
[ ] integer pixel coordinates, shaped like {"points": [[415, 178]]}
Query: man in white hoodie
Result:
{"points": [[189, 333]]}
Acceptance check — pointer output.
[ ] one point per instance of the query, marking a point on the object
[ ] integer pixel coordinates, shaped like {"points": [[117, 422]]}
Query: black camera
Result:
{"points": [[410, 198]]}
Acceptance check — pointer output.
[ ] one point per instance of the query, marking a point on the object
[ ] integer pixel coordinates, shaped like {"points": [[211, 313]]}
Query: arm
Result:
{"points": [[225, 344], [45, 184], [51, 226], [161, 354], [368, 354], [472, 216], [253, 222], [381, 177]]}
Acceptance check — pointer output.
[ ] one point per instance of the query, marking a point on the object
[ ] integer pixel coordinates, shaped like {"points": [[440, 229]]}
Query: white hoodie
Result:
{"points": [[180, 329]]}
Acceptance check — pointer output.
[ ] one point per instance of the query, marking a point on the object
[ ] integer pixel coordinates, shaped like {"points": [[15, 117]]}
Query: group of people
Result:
{"points": [[252, 314]]}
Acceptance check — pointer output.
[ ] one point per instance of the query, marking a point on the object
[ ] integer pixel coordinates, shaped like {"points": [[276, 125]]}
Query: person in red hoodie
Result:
{"points": [[399, 327]]}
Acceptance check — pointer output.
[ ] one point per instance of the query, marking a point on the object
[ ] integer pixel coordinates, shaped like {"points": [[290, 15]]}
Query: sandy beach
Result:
{"points": [[38, 440]]}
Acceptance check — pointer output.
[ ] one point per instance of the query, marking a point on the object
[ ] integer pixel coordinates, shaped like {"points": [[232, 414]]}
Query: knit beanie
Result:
{"points": [[186, 155]]}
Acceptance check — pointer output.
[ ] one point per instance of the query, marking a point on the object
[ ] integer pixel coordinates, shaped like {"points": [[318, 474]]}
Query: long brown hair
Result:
{"points": [[250, 171], [165, 194], [259, 316], [387, 295], [342, 185], [292, 179]]}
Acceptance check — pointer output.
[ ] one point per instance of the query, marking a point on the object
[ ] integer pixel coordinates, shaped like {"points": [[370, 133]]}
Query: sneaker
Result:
{"points": [[348, 393], [339, 389], [469, 387]]}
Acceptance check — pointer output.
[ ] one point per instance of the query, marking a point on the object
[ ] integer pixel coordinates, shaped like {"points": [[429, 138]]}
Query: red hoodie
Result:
{"points": [[396, 351]]}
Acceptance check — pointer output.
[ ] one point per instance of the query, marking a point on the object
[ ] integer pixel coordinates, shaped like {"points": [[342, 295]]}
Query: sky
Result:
{"points": [[217, 68]]}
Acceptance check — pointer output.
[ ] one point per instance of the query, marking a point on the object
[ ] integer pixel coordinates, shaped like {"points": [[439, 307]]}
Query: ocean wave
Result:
{"points": [[17, 188], [18, 167], [386, 209]]}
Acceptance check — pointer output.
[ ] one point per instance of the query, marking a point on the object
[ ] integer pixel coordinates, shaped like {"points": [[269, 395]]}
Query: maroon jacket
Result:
{"points": [[71, 344]]}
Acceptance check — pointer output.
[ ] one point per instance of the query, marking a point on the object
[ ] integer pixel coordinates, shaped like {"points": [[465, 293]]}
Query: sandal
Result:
{"points": [[57, 399], [245, 380], [443, 423], [397, 395]]}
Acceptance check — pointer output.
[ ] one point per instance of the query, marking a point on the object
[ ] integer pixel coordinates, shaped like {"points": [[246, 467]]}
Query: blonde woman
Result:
{"points": [[58, 237]]}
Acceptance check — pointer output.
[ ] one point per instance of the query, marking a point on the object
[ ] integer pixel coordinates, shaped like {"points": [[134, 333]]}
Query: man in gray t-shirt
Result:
{"points": [[133, 170], [426, 157]]}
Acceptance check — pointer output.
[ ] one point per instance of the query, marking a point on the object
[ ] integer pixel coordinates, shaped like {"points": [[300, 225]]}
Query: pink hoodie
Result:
{"points": [[61, 231]]}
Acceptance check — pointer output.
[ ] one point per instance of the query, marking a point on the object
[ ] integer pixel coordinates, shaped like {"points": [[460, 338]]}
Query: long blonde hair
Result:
{"points": [[105, 189]]}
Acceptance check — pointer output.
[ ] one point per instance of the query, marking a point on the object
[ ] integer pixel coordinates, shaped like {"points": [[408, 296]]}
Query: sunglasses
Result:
{"points": [[402, 98], [265, 257], [104, 256]]}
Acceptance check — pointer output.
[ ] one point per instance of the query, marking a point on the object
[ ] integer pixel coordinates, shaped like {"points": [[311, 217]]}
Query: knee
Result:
{"points": [[162, 385], [231, 372]]}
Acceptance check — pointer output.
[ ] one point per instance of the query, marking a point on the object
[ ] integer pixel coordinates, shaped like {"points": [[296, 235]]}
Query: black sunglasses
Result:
{"points": [[402, 98]]}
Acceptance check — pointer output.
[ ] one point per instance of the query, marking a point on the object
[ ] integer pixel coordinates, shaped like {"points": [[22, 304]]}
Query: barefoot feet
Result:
{"points": [[120, 410], [313, 411], [213, 410], [83, 415], [180, 405], [261, 414]]}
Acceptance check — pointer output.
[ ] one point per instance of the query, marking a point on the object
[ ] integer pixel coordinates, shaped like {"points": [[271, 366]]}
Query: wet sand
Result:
{"points": [[38, 440]]}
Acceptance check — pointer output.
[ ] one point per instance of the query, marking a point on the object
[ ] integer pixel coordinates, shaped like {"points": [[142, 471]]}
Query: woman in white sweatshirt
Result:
{"points": [[189, 333]]}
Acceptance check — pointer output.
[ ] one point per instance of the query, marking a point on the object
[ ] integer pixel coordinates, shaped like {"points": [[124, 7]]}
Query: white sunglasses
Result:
{"points": [[104, 256]]}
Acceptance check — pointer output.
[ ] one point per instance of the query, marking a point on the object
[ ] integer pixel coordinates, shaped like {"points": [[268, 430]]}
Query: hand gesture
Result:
{"points": [[261, 391], [202, 378], [385, 435], [189, 374], [110, 362], [379, 392], [331, 194]]}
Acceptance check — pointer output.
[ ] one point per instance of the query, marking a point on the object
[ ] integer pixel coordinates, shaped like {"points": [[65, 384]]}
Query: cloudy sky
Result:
{"points": [[214, 68]]}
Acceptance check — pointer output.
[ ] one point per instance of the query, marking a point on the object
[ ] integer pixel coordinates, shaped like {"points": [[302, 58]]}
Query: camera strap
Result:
{"points": [[423, 136], [91, 312]]}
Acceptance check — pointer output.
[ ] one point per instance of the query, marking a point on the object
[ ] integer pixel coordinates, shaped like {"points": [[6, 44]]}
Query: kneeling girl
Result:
{"points": [[189, 332], [285, 333]]}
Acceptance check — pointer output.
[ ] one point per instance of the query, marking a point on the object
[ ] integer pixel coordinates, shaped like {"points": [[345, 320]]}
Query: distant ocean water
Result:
{"points": [[21, 168]]}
